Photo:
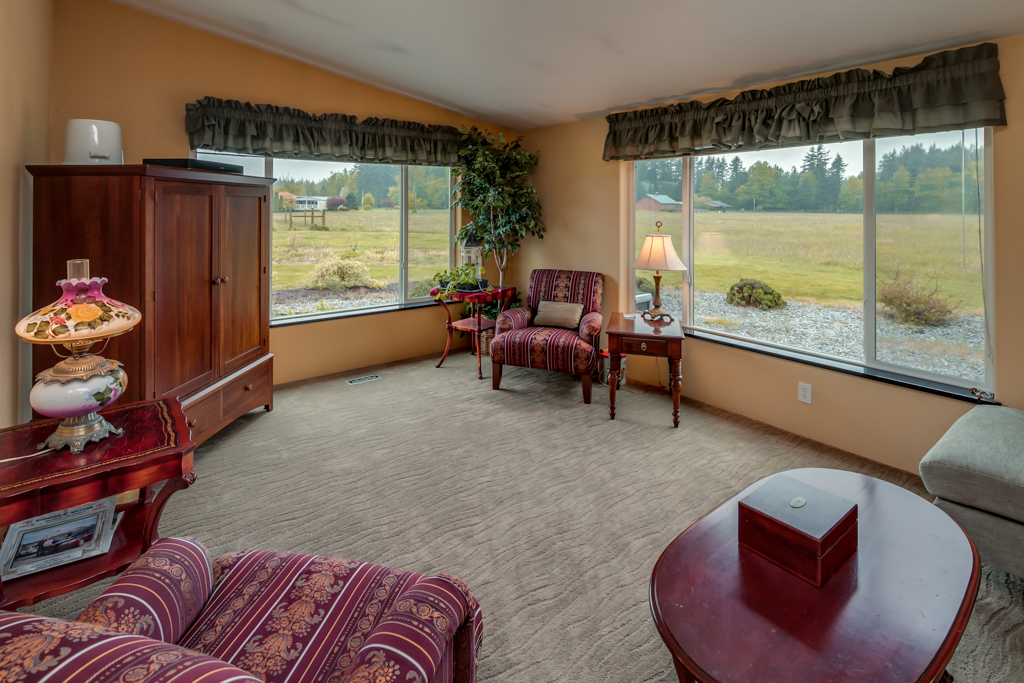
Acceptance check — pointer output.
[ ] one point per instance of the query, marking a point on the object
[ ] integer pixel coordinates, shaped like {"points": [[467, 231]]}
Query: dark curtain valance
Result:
{"points": [[951, 90], [266, 130]]}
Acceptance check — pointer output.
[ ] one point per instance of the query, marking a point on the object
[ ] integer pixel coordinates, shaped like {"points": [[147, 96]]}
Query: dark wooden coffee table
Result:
{"points": [[893, 613]]}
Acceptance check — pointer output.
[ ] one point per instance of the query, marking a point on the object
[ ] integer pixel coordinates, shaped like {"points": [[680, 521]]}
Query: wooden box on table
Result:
{"points": [[807, 531]]}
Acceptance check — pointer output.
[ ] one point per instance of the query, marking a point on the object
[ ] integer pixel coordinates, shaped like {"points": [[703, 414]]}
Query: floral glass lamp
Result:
{"points": [[82, 383], [658, 254]]}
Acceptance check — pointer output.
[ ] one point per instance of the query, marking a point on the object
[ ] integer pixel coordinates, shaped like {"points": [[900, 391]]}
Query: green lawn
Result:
{"points": [[819, 257], [367, 236]]}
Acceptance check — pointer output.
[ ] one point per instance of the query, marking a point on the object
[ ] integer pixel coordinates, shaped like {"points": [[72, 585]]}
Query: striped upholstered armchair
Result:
{"points": [[518, 342], [252, 617]]}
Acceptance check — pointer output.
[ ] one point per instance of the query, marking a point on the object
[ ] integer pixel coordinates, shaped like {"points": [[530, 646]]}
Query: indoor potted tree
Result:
{"points": [[494, 186]]}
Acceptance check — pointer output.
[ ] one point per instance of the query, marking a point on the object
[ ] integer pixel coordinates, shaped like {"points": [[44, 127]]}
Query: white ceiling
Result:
{"points": [[530, 63]]}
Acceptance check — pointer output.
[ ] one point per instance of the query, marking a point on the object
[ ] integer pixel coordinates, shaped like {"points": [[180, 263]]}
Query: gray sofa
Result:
{"points": [[976, 473]]}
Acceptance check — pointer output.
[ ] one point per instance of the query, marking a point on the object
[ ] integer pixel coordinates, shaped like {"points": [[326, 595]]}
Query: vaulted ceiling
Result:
{"points": [[530, 63]]}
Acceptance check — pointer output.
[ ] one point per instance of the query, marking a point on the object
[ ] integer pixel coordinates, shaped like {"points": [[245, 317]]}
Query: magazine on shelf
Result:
{"points": [[57, 538]]}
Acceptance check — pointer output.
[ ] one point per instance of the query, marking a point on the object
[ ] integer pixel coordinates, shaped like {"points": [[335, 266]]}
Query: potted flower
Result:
{"points": [[458, 279]]}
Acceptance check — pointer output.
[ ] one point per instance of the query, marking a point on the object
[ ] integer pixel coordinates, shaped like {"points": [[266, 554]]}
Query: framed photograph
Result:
{"points": [[58, 538]]}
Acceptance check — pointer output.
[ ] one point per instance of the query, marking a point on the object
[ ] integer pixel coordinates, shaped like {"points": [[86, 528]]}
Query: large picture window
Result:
{"points": [[351, 236], [883, 270]]}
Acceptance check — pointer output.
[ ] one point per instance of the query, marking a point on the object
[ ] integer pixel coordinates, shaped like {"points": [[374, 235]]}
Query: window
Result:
{"points": [[343, 238], [908, 240]]}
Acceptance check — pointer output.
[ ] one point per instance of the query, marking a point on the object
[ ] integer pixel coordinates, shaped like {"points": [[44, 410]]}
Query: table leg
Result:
{"points": [[448, 325], [684, 675], [479, 368], [946, 677], [675, 382], [613, 381]]}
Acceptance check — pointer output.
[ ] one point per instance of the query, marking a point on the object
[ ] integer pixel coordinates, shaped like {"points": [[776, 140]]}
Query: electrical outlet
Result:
{"points": [[803, 392]]}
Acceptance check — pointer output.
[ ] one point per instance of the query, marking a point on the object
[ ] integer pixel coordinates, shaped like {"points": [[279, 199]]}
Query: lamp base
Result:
{"points": [[657, 315], [75, 432]]}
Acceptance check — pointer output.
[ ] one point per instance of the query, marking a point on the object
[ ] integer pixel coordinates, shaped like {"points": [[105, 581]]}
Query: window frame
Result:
{"points": [[405, 301], [871, 367]]}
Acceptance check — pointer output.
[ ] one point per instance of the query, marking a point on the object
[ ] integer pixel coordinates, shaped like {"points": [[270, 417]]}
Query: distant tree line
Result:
{"points": [[428, 187], [909, 180]]}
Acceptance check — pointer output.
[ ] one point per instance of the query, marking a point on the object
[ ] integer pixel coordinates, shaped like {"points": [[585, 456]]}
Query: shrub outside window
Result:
{"points": [[785, 246], [344, 240]]}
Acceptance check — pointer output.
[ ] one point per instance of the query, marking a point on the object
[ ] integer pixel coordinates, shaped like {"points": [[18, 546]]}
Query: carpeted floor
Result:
{"points": [[553, 514]]}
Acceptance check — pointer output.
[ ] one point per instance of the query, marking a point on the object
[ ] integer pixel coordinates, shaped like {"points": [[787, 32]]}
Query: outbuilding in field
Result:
{"points": [[658, 202]]}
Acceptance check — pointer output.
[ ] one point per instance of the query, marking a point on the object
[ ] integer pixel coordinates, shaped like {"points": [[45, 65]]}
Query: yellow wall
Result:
{"points": [[24, 111], [115, 63], [586, 209]]}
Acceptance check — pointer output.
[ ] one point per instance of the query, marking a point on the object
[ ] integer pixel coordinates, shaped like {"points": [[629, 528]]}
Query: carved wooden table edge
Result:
{"points": [[138, 529]]}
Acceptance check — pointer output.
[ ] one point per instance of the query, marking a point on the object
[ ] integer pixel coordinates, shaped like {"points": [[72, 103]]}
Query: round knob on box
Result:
{"points": [[798, 502]]}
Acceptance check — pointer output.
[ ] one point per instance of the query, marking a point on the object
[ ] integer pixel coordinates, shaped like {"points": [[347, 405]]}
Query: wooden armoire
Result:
{"points": [[190, 250]]}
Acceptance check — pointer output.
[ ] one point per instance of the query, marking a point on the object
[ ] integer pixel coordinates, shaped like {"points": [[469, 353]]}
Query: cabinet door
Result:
{"points": [[184, 229], [244, 302]]}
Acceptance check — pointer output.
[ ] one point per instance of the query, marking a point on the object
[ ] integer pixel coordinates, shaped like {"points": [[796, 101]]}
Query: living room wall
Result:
{"points": [[24, 109], [142, 73], [587, 203]]}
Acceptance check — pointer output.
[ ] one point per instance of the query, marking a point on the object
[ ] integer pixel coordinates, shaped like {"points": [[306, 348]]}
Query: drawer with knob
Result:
{"points": [[203, 416], [247, 391], [657, 347]]}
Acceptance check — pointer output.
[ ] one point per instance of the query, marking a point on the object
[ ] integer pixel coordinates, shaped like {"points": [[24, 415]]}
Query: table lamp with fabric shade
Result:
{"points": [[82, 383], [658, 254]]}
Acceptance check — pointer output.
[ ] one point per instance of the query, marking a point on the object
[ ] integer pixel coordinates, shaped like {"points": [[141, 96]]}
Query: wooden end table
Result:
{"points": [[156, 446], [638, 337], [893, 613], [475, 324]]}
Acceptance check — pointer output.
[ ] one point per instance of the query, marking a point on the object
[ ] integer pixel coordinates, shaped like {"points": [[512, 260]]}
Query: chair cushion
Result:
{"points": [[159, 595], [558, 314], [544, 348], [35, 649], [979, 462], [303, 618]]}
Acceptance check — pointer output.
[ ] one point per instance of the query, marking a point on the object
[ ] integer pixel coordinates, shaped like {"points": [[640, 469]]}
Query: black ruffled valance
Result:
{"points": [[951, 90], [266, 130]]}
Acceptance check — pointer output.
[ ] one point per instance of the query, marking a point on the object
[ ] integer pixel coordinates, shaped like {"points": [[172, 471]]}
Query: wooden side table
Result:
{"points": [[156, 447], [638, 337], [476, 323]]}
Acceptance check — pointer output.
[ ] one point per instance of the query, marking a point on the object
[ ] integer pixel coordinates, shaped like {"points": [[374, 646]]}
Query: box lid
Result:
{"points": [[799, 513]]}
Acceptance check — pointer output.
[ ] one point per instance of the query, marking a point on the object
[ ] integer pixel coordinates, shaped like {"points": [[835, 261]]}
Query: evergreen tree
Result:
{"points": [[833, 183]]}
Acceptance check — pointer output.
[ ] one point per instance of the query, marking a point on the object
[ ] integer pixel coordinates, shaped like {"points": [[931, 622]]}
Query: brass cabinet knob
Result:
{"points": [[643, 346]]}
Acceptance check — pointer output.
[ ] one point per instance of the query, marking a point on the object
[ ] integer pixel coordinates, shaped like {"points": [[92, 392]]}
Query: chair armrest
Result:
{"points": [[513, 319], [34, 649], [590, 327], [159, 595], [435, 623]]}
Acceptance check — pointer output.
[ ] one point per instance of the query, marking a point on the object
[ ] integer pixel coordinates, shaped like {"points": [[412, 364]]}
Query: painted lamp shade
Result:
{"points": [[71, 399], [82, 313]]}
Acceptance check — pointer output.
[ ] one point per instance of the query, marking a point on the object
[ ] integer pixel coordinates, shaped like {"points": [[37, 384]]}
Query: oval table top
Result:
{"points": [[894, 612]]}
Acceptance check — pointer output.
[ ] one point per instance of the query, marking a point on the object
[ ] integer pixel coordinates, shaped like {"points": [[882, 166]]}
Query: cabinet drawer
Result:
{"points": [[203, 416], [656, 347], [247, 391]]}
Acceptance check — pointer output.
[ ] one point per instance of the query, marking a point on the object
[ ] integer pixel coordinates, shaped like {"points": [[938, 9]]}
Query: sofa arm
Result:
{"points": [[159, 595], [436, 624], [34, 649], [590, 328], [513, 319]]}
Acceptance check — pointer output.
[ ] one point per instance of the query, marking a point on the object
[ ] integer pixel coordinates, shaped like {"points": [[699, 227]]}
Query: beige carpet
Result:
{"points": [[553, 514]]}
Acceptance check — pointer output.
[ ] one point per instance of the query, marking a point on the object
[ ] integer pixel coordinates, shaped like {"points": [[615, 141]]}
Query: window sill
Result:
{"points": [[352, 313], [905, 381]]}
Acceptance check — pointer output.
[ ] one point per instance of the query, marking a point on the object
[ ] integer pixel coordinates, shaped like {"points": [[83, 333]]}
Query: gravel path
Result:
{"points": [[956, 349]]}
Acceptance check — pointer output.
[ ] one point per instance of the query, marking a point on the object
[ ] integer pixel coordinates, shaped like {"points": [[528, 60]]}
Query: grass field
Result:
{"points": [[368, 236], [819, 257]]}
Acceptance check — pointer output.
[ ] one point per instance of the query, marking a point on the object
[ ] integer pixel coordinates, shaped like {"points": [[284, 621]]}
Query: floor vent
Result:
{"points": [[360, 380]]}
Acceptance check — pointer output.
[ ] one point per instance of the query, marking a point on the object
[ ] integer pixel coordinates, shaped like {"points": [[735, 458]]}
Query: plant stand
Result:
{"points": [[476, 323]]}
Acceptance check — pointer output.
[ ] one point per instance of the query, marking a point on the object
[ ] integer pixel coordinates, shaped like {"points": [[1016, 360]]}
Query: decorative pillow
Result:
{"points": [[558, 314]]}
